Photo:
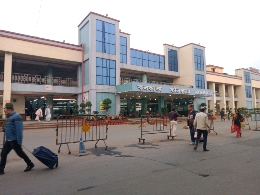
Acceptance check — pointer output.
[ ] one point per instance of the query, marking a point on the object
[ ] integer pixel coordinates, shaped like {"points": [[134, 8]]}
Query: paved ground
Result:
{"points": [[160, 166]]}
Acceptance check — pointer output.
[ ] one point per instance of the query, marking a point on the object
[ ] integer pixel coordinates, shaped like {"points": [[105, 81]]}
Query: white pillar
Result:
{"points": [[232, 97], [223, 97], [7, 79], [212, 102], [254, 97]]}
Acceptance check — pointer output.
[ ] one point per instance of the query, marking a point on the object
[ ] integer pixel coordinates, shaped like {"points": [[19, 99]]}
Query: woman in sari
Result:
{"points": [[236, 122]]}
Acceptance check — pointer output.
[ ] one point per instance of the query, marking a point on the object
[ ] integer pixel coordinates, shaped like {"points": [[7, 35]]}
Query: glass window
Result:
{"points": [[99, 80], [112, 81], [112, 64], [151, 64], [145, 55], [248, 91], [145, 63], [99, 25], [156, 65], [112, 72], [99, 71], [111, 28], [172, 60], [200, 81], [247, 77], [99, 46], [98, 62], [133, 53], [112, 49], [198, 59], [138, 54], [139, 62], [133, 61], [105, 34], [162, 66], [99, 36], [124, 59]]}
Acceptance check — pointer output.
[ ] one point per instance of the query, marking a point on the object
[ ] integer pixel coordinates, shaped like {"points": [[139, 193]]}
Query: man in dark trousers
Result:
{"points": [[222, 115], [14, 135], [190, 120], [173, 116], [201, 125]]}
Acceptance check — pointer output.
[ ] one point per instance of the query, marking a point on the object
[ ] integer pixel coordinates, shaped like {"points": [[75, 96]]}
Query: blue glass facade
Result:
{"points": [[105, 72], [247, 77], [123, 50], [248, 91], [200, 81], [173, 60], [105, 37], [198, 59], [145, 59]]}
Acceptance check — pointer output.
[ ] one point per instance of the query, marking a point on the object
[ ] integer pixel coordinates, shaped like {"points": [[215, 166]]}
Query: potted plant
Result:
{"points": [[106, 104], [82, 106], [164, 111], [88, 107]]}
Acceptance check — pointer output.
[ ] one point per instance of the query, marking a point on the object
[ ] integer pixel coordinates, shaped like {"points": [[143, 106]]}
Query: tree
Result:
{"points": [[75, 109], [82, 110], [88, 105], [106, 104]]}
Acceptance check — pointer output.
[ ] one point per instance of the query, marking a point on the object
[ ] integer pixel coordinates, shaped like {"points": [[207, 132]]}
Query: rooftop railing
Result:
{"points": [[40, 80]]}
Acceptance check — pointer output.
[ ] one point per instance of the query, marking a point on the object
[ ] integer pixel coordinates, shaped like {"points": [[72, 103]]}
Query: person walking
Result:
{"points": [[201, 125], [236, 122], [229, 114], [222, 115], [173, 116], [38, 114], [190, 120], [47, 114], [14, 135]]}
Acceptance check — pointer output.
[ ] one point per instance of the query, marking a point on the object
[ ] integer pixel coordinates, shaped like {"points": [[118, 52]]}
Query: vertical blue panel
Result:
{"points": [[86, 72], [84, 37]]}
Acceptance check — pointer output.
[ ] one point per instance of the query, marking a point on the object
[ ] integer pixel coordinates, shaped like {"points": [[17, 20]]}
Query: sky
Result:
{"points": [[229, 29]]}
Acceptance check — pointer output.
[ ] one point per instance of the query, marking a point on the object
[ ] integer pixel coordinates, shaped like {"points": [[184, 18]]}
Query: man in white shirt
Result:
{"points": [[47, 114], [201, 125]]}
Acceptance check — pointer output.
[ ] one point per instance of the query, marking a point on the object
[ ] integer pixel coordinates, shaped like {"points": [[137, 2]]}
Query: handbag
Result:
{"points": [[232, 129], [242, 124], [195, 134]]}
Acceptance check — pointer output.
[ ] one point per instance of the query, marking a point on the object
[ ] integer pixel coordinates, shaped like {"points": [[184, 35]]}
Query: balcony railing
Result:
{"points": [[39, 80], [127, 80]]}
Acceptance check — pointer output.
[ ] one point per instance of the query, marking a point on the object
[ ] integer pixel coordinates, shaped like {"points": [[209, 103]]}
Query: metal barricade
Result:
{"points": [[3, 139], [71, 129], [151, 124]]}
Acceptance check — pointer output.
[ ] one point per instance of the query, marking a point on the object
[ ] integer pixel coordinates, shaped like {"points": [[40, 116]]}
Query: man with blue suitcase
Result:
{"points": [[14, 135]]}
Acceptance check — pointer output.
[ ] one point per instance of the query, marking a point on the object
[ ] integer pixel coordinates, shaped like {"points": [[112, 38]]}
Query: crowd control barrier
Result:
{"points": [[2, 139], [71, 129], [151, 124]]}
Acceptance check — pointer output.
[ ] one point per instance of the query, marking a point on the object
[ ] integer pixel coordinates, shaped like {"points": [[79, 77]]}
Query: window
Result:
{"points": [[247, 77], [145, 59], [200, 81], [248, 92], [105, 37], [172, 60], [105, 72], [212, 69], [199, 59], [123, 52]]}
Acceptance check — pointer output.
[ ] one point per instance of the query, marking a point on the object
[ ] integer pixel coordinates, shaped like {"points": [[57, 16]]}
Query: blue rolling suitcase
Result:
{"points": [[46, 156]]}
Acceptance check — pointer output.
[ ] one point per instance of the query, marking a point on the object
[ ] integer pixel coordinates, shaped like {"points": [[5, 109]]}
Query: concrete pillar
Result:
{"points": [[161, 104], [232, 97], [50, 75], [257, 94], [7, 80], [49, 102], [144, 105], [144, 78], [254, 97], [212, 102], [222, 93]]}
